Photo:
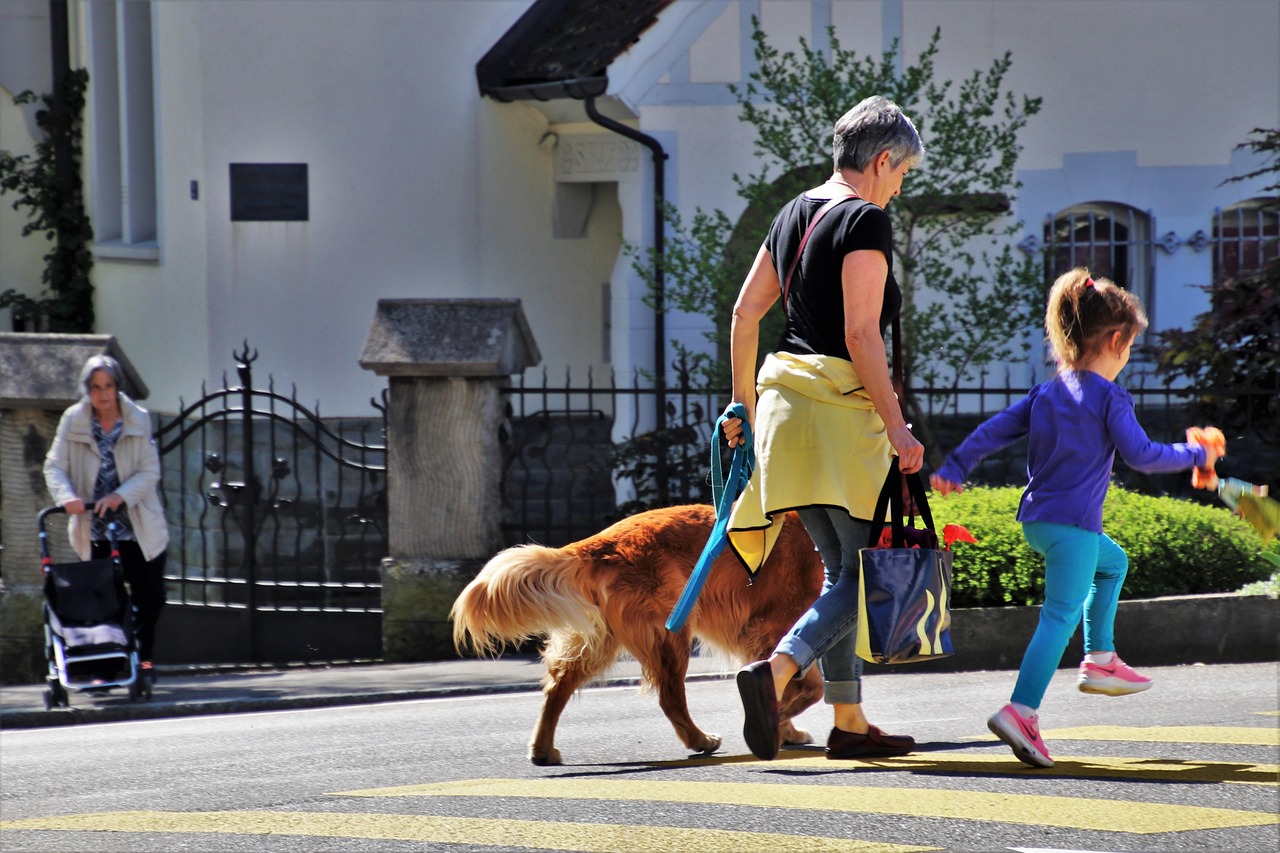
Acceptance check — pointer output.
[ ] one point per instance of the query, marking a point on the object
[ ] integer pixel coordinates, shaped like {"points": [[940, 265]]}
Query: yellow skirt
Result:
{"points": [[819, 442]]}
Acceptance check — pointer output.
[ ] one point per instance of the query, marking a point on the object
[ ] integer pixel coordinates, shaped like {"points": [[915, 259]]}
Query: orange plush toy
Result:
{"points": [[1210, 438]]}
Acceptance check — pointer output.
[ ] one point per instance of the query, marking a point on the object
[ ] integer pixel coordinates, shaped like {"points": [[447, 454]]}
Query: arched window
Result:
{"points": [[1246, 236], [1112, 240]]}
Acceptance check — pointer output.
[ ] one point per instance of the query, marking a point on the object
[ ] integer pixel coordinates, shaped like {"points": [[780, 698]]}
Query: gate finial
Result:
{"points": [[244, 358]]}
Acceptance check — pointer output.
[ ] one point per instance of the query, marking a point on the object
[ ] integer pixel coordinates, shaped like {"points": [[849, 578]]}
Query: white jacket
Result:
{"points": [[71, 467]]}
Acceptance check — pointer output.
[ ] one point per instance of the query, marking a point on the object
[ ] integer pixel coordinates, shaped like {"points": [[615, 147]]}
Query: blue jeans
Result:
{"points": [[826, 632], [1083, 574]]}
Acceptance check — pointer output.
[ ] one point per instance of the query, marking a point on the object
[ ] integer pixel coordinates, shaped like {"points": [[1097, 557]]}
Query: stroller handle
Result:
{"points": [[56, 510]]}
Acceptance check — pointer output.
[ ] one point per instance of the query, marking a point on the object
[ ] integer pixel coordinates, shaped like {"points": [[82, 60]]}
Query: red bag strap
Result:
{"points": [[795, 262]]}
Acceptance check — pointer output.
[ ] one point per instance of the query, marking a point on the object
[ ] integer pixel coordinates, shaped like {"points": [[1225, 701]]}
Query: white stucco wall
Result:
{"points": [[1144, 102], [24, 66], [419, 187]]}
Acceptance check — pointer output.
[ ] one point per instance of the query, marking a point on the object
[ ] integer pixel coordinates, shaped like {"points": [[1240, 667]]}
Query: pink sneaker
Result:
{"points": [[1114, 679], [1022, 734]]}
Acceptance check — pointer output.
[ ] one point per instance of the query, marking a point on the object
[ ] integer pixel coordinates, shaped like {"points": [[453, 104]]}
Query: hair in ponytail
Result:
{"points": [[1085, 312]]}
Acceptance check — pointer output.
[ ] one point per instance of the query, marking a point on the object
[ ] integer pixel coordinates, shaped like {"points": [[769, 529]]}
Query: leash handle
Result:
{"points": [[724, 492], [739, 469]]}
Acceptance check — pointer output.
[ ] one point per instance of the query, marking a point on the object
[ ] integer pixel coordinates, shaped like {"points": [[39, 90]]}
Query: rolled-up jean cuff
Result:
{"points": [[842, 692], [799, 651]]}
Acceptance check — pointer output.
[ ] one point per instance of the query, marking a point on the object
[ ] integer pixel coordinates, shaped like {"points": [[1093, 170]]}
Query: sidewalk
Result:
{"points": [[185, 691], [1222, 628]]}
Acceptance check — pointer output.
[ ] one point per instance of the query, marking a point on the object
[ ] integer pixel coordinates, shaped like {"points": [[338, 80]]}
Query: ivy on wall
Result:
{"points": [[48, 185]]}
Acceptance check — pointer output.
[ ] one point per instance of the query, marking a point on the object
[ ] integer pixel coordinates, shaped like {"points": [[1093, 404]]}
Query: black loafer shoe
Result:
{"points": [[760, 703], [874, 744]]}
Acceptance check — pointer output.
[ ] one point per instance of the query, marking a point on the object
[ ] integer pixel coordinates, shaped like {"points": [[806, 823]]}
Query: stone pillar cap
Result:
{"points": [[449, 337], [42, 371]]}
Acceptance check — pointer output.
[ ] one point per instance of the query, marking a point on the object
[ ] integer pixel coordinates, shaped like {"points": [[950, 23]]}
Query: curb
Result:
{"points": [[77, 715], [1178, 630]]}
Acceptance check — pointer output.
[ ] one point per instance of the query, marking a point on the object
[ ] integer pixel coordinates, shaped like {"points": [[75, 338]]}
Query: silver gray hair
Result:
{"points": [[101, 362], [876, 124]]}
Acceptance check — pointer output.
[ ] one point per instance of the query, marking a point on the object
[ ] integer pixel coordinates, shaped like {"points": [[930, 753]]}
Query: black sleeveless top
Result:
{"points": [[815, 304]]}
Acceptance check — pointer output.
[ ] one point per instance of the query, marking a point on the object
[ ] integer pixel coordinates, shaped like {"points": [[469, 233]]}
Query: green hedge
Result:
{"points": [[1175, 547]]}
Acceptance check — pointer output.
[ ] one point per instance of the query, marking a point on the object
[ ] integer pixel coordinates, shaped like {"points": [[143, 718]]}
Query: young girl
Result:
{"points": [[1074, 425]]}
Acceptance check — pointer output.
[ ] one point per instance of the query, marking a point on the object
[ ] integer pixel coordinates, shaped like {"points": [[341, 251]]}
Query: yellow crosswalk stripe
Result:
{"points": [[1233, 735], [483, 832], [1136, 769], [1033, 810]]}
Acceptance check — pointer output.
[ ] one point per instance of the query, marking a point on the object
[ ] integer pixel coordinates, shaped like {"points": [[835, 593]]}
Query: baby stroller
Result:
{"points": [[88, 625]]}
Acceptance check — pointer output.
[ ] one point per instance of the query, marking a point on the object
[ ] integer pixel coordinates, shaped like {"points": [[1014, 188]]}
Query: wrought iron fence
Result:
{"points": [[278, 524], [579, 455]]}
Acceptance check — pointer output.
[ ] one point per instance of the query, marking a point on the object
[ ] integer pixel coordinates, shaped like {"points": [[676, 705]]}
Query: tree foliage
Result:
{"points": [[969, 300], [54, 199], [1235, 345]]}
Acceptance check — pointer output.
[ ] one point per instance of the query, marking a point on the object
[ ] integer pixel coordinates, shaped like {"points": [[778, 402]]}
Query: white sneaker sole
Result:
{"points": [[1113, 687], [1014, 739]]}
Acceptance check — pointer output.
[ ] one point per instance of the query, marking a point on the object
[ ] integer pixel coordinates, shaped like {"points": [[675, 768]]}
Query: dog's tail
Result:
{"points": [[523, 592]]}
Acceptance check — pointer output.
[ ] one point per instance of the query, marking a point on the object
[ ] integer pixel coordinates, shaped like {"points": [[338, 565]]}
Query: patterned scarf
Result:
{"points": [[108, 481]]}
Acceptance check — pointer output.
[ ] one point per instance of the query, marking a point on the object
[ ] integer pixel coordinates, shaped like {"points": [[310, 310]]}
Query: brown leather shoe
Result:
{"points": [[874, 744], [760, 703]]}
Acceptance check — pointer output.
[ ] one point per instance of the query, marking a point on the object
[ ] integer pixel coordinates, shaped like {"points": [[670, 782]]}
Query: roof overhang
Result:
{"points": [[562, 49]]}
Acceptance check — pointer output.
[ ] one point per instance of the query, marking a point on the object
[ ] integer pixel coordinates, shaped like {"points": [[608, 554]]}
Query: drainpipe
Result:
{"points": [[60, 49], [659, 284]]}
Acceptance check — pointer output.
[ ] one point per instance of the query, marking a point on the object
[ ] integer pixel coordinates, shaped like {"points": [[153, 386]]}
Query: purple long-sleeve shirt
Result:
{"points": [[1074, 425]]}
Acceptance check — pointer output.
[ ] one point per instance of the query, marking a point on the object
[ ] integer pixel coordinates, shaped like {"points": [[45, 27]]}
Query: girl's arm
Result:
{"points": [[1138, 451], [992, 436]]}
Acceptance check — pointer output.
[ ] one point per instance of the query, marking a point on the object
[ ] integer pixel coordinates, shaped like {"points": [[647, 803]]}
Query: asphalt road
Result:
{"points": [[1189, 766]]}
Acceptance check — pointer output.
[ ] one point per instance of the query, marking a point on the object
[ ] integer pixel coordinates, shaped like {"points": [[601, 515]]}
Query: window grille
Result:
{"points": [[1112, 240], [1246, 237]]}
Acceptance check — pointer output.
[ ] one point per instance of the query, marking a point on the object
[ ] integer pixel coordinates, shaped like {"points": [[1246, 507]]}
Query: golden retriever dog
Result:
{"points": [[612, 592]]}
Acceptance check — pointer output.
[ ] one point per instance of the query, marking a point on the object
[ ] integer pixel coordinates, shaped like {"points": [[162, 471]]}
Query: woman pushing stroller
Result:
{"points": [[103, 453]]}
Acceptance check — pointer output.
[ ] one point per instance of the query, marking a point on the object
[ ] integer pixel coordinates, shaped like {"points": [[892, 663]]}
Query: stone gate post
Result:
{"points": [[39, 376], [446, 361]]}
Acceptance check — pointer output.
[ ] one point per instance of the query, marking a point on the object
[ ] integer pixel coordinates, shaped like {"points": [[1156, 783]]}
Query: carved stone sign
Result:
{"points": [[595, 157]]}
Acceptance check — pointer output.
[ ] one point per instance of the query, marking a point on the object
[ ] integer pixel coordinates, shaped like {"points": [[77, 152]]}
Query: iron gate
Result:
{"points": [[278, 525]]}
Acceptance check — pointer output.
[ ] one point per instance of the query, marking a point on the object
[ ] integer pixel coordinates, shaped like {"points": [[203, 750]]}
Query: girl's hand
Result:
{"points": [[75, 506], [1214, 444], [944, 487]]}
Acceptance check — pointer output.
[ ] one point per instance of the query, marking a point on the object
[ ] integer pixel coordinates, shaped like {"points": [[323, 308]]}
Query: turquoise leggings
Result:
{"points": [[1083, 574]]}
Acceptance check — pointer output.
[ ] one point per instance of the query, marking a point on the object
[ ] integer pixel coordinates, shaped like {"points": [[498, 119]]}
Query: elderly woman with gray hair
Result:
{"points": [[103, 453], [826, 421]]}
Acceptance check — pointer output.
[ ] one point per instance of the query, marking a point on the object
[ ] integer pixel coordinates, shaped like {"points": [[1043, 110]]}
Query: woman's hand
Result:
{"points": [[944, 487], [733, 433], [910, 452], [75, 506], [110, 503]]}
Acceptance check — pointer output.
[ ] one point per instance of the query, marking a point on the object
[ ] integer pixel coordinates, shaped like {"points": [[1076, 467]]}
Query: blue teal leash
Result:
{"points": [[723, 493]]}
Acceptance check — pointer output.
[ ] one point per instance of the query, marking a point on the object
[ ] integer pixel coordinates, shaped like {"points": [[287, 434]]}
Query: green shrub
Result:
{"points": [[1175, 547]]}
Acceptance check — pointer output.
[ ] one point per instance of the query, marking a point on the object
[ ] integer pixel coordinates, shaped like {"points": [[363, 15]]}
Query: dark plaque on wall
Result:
{"points": [[269, 192]]}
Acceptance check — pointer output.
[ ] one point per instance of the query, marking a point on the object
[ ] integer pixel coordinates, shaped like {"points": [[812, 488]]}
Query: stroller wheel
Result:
{"points": [[48, 699]]}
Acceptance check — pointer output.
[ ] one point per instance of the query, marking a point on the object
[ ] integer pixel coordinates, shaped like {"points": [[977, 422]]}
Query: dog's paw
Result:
{"points": [[792, 736], [710, 744], [544, 758]]}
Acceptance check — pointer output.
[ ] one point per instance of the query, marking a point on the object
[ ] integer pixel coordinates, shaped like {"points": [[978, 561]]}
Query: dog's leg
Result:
{"points": [[666, 666], [571, 662], [798, 696]]}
